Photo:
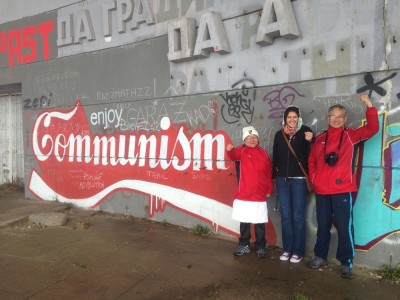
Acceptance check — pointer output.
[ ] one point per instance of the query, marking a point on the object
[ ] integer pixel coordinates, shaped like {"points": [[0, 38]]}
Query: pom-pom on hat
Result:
{"points": [[248, 131]]}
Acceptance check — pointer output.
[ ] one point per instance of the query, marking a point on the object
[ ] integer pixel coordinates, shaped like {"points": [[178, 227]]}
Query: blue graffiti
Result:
{"points": [[373, 218]]}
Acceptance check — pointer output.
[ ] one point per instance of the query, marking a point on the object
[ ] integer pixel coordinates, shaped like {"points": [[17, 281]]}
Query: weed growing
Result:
{"points": [[300, 296], [201, 230], [391, 273]]}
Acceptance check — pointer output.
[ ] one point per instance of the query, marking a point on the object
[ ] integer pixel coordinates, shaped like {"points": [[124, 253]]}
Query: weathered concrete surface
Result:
{"points": [[49, 219], [103, 256], [13, 207]]}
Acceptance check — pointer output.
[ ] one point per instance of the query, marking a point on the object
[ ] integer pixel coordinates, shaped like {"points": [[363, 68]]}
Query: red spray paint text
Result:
{"points": [[22, 45]]}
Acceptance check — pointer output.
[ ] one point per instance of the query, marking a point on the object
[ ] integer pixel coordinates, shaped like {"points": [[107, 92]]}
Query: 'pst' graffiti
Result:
{"points": [[238, 104], [374, 86], [278, 100]]}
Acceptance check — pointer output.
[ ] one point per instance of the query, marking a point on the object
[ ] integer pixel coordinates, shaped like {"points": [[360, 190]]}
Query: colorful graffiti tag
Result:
{"points": [[376, 213], [188, 171]]}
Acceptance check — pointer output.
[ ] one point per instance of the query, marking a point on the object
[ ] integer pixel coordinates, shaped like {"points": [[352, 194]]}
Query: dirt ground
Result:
{"points": [[104, 256]]}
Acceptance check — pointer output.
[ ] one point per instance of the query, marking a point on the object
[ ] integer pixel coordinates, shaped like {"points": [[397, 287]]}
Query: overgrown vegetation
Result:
{"points": [[201, 230], [300, 296], [391, 273], [81, 266], [213, 289]]}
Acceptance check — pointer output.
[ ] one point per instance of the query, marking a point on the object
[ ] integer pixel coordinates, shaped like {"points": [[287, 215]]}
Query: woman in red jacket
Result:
{"points": [[330, 165], [255, 185]]}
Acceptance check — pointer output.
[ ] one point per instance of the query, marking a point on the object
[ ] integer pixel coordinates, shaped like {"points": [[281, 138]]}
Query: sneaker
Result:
{"points": [[241, 249], [317, 262], [295, 259], [285, 256], [261, 253], [346, 272]]}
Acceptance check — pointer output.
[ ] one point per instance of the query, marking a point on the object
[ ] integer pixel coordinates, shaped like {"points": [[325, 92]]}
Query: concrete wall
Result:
{"points": [[136, 121]]}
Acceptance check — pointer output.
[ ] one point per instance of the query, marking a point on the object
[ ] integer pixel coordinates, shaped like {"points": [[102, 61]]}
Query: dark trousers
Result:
{"points": [[337, 208], [244, 238]]}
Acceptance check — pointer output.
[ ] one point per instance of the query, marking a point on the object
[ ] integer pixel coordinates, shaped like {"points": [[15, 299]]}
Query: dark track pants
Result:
{"points": [[259, 229], [339, 209]]}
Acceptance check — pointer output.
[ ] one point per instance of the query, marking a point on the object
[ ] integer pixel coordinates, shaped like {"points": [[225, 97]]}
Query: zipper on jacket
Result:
{"points": [[287, 161]]}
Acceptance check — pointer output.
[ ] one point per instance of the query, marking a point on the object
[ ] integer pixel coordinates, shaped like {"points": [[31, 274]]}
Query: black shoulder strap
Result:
{"points": [[294, 154]]}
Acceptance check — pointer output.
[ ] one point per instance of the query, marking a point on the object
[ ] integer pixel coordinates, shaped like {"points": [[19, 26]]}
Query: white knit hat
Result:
{"points": [[249, 130]]}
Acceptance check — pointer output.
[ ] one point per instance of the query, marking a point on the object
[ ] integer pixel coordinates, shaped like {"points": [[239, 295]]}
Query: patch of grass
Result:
{"points": [[391, 273], [55, 198], [213, 289], [300, 296], [201, 230], [83, 266]]}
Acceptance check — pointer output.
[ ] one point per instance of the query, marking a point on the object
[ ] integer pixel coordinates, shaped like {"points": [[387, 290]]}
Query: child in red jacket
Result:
{"points": [[254, 187]]}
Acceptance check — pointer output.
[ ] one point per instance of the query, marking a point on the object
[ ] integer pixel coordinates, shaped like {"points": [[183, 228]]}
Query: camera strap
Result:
{"points": [[340, 141]]}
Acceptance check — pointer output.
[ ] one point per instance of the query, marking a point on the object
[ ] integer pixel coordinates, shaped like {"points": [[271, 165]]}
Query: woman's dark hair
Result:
{"points": [[289, 109]]}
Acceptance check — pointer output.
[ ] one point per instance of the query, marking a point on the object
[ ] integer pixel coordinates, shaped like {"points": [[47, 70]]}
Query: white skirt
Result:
{"points": [[250, 211]]}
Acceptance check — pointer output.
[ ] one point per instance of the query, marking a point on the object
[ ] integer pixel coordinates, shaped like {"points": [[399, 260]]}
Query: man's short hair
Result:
{"points": [[337, 106]]}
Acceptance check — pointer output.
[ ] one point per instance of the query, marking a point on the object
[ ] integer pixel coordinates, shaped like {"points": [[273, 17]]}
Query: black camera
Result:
{"points": [[331, 158]]}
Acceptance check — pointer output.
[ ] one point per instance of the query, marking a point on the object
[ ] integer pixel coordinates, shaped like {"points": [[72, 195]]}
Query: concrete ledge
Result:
{"points": [[49, 219]]}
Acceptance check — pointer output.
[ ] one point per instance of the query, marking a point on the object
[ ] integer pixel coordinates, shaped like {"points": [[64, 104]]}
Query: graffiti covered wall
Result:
{"points": [[134, 118]]}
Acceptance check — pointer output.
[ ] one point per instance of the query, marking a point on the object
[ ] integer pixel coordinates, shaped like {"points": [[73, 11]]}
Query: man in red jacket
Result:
{"points": [[255, 185], [331, 171]]}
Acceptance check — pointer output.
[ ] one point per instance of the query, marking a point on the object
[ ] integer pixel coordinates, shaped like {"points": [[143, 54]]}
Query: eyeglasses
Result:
{"points": [[333, 117]]}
